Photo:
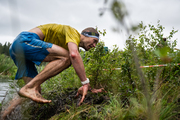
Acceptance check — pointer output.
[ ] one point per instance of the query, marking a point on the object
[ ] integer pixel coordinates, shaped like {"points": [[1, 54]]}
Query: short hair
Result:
{"points": [[90, 29]]}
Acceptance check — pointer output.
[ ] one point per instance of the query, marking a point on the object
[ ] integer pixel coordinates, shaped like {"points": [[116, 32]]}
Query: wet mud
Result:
{"points": [[61, 102]]}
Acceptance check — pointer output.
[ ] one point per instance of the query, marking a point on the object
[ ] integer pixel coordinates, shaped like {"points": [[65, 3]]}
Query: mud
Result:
{"points": [[61, 102]]}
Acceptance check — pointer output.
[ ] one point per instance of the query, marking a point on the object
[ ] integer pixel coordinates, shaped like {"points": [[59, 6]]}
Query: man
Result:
{"points": [[56, 44]]}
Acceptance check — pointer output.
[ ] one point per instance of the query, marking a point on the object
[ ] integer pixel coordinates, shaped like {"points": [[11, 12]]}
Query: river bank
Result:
{"points": [[4, 86]]}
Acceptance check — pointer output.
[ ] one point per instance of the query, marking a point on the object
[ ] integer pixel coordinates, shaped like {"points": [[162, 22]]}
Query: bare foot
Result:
{"points": [[32, 94]]}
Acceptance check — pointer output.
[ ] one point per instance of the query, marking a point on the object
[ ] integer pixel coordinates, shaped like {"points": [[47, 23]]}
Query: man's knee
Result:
{"points": [[56, 52], [27, 79], [67, 61]]}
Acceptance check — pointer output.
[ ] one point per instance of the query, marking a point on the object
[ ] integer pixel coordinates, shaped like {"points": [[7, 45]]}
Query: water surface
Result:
{"points": [[4, 86]]}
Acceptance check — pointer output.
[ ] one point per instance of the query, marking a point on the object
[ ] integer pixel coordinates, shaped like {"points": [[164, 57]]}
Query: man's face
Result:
{"points": [[90, 42]]}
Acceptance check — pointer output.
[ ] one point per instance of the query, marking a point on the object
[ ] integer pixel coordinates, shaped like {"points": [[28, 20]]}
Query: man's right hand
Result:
{"points": [[82, 91]]}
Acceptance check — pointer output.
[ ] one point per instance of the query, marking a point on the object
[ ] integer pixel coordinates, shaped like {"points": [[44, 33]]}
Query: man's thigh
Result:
{"points": [[28, 46], [27, 50], [56, 52]]}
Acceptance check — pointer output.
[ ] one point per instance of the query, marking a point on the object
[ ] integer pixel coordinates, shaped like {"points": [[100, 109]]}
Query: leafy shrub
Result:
{"points": [[7, 66]]}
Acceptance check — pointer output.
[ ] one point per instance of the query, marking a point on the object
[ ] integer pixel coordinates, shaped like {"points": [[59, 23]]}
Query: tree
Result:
{"points": [[4, 49]]}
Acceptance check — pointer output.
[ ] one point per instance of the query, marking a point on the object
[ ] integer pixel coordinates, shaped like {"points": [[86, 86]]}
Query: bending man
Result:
{"points": [[54, 43]]}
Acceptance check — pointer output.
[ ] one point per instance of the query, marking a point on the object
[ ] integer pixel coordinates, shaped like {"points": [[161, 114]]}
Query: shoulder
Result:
{"points": [[70, 29], [50, 25]]}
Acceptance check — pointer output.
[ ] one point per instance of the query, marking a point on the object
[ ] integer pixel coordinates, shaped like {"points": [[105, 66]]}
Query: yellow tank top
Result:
{"points": [[60, 34]]}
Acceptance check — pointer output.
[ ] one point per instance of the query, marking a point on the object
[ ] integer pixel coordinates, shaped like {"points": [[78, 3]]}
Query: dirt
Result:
{"points": [[61, 102]]}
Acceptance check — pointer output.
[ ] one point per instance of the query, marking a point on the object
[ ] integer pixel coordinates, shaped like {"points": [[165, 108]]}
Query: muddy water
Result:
{"points": [[4, 86]]}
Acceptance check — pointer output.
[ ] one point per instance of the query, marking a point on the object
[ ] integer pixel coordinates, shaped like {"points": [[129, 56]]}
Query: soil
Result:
{"points": [[61, 102]]}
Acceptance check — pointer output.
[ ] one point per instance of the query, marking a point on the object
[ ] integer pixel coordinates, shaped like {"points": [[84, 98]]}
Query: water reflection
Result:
{"points": [[8, 95], [4, 86]]}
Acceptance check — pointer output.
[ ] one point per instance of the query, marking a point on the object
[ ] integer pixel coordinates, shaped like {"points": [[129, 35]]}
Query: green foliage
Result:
{"points": [[4, 49], [126, 91], [7, 66], [119, 10], [127, 99]]}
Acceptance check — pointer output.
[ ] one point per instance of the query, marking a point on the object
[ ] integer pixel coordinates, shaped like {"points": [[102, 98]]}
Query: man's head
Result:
{"points": [[89, 38]]}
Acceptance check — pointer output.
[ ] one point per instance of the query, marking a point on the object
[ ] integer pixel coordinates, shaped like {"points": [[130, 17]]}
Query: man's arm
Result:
{"points": [[76, 61], [78, 65]]}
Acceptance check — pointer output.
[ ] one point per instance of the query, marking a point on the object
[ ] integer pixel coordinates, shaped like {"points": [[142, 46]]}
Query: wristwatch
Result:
{"points": [[85, 82]]}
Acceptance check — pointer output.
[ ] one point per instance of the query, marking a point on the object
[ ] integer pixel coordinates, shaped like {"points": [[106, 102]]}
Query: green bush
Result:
{"points": [[135, 93], [7, 66]]}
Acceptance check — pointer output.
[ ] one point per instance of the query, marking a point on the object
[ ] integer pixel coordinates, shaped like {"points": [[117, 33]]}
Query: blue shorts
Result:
{"points": [[26, 51]]}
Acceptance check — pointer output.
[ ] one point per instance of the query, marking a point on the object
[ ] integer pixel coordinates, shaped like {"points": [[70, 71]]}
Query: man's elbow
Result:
{"points": [[74, 54]]}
